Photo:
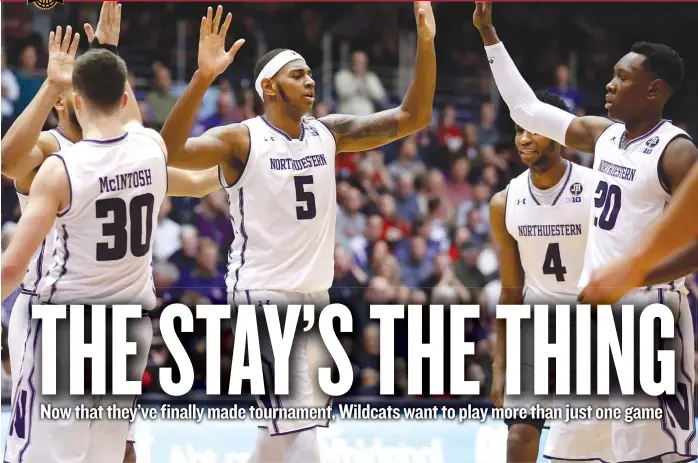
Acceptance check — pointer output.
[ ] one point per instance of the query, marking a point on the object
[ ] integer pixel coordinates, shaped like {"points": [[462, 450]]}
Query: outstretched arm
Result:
{"points": [[49, 194], [525, 109], [216, 146], [361, 133], [677, 266], [512, 277], [23, 146], [194, 184]]}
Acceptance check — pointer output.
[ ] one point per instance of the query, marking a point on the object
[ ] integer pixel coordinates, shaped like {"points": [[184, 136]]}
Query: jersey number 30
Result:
{"points": [[307, 211], [116, 229]]}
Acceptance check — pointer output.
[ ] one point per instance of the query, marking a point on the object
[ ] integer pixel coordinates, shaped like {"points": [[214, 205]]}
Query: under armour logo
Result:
{"points": [[491, 60], [521, 201], [261, 304], [270, 138]]}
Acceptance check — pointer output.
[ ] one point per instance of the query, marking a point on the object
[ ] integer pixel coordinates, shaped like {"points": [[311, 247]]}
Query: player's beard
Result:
{"points": [[283, 95], [72, 115]]}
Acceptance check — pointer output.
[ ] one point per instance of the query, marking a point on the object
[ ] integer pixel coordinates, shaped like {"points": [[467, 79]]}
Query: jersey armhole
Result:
{"points": [[240, 180], [612, 124], [331, 134], [660, 172], [66, 209]]}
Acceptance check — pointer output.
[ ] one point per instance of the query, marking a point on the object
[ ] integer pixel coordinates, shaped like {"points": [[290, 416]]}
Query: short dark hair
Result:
{"points": [[264, 60], [100, 76], [552, 99], [662, 61]]}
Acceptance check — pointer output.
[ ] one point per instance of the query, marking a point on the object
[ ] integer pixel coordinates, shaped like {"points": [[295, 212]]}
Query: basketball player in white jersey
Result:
{"points": [[103, 194], [640, 159], [280, 177], [540, 224], [25, 147]]}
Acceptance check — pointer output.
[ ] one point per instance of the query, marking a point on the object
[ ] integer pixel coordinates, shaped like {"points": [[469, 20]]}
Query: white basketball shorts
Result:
{"points": [[670, 439], [34, 439], [307, 355]]}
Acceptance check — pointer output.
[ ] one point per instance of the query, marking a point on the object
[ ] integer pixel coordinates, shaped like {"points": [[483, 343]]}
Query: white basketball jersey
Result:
{"points": [[551, 238], [628, 196], [43, 257], [283, 210], [105, 235]]}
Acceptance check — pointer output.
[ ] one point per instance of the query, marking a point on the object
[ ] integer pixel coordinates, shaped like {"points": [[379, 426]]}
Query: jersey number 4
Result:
{"points": [[308, 210], [116, 229], [609, 199], [552, 265]]}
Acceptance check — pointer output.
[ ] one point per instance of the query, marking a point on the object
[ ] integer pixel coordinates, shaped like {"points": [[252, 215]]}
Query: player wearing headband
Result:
{"points": [[279, 172]]}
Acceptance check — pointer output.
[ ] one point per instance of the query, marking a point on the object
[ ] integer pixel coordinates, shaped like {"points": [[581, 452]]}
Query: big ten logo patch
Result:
{"points": [[576, 191]]}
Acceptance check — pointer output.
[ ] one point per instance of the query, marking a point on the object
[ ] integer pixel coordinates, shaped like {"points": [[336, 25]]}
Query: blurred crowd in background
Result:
{"points": [[413, 222]]}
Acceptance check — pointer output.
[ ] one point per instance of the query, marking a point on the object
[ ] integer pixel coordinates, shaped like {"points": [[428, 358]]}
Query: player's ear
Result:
{"points": [[60, 103], [656, 89], [124, 100], [77, 102], [267, 87]]}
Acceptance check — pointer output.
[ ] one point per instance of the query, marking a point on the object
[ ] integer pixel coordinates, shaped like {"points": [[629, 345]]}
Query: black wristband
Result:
{"points": [[112, 48]]}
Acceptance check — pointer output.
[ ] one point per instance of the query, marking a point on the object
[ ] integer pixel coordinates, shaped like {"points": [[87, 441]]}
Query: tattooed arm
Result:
{"points": [[361, 133]]}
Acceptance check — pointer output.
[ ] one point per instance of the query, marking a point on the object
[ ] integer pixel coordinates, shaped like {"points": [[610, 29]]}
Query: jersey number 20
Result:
{"points": [[608, 198], [116, 229]]}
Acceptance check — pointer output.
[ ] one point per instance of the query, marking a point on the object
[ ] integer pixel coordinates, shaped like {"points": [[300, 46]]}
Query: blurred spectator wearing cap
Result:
{"points": [[358, 89]]}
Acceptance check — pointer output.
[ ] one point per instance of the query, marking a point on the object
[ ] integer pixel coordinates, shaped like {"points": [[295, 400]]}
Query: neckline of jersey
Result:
{"points": [[567, 177], [641, 137], [284, 134]]}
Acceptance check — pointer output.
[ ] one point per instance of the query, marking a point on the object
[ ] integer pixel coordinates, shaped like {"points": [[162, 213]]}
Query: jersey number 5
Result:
{"points": [[552, 264], [307, 211], [116, 229], [608, 198]]}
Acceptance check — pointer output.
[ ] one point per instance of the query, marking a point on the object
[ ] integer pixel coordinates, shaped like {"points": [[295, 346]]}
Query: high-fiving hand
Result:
{"points": [[213, 59], [426, 25], [61, 57], [108, 27], [482, 17]]}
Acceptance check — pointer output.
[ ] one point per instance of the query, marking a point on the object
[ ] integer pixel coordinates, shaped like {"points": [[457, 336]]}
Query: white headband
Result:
{"points": [[274, 66]]}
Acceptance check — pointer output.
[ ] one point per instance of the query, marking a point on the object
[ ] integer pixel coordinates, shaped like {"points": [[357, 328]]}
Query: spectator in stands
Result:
{"points": [[488, 134], [418, 268], [406, 198], [29, 78], [448, 134], [226, 113], [358, 89], [350, 221], [160, 99], [185, 258], [167, 233], [10, 93], [212, 219], [206, 279], [570, 95], [407, 161]]}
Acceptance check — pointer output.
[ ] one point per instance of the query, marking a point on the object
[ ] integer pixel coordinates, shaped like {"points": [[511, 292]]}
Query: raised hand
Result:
{"points": [[213, 59], [108, 26], [426, 25], [61, 57], [482, 17]]}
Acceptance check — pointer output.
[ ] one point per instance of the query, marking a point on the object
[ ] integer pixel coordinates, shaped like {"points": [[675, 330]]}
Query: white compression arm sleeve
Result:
{"points": [[525, 109]]}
